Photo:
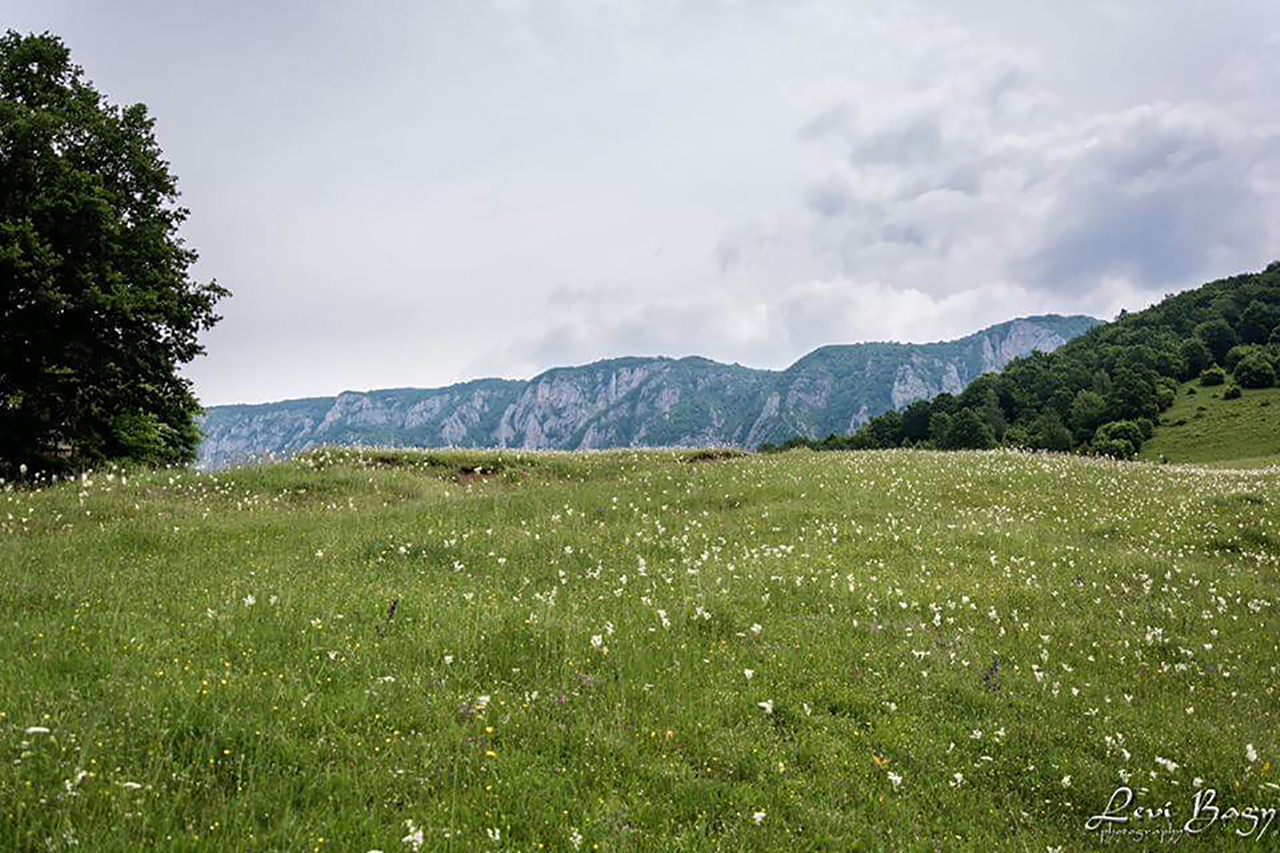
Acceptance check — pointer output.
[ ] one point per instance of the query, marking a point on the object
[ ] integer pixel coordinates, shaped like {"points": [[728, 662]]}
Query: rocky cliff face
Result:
{"points": [[637, 402]]}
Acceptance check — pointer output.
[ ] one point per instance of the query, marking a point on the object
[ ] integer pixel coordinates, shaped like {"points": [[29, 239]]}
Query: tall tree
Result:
{"points": [[1217, 335], [97, 306], [1257, 321]]}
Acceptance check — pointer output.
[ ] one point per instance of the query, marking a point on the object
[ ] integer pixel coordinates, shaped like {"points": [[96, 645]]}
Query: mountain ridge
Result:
{"points": [[631, 401]]}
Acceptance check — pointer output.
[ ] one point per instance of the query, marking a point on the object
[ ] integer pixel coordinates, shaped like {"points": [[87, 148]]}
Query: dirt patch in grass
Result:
{"points": [[479, 473], [713, 454]]}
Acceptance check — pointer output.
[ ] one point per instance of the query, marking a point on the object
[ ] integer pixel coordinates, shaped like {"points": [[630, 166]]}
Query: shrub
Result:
{"points": [[1120, 439], [1236, 354], [1213, 376], [1232, 393], [1114, 448], [1255, 370]]}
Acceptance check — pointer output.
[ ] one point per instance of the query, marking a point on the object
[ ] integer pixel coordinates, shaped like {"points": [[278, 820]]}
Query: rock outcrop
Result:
{"points": [[637, 402]]}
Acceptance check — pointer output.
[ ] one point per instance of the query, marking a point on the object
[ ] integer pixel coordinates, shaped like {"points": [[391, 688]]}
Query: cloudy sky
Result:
{"points": [[407, 193]]}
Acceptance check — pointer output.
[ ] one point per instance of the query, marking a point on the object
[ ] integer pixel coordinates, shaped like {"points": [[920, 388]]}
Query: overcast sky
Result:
{"points": [[416, 193]]}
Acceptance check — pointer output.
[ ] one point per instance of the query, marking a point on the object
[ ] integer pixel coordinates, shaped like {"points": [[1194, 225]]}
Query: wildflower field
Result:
{"points": [[400, 651]]}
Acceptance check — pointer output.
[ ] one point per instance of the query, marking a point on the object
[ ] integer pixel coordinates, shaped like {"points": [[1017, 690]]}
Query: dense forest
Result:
{"points": [[1101, 393]]}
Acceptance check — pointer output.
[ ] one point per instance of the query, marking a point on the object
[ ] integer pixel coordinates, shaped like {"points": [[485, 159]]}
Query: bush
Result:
{"points": [[1255, 370], [1120, 439], [1232, 393], [1115, 448], [1236, 354], [1213, 376]]}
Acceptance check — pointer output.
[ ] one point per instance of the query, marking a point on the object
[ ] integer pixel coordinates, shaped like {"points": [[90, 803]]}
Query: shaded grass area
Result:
{"points": [[889, 650]]}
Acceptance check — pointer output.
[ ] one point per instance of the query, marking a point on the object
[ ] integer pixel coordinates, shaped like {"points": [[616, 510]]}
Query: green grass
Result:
{"points": [[965, 651], [1203, 428]]}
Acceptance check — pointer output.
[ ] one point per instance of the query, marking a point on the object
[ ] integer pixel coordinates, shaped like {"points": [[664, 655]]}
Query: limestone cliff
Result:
{"points": [[637, 402]]}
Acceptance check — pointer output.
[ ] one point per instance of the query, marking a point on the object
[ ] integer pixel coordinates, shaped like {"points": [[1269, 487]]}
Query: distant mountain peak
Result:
{"points": [[636, 401]]}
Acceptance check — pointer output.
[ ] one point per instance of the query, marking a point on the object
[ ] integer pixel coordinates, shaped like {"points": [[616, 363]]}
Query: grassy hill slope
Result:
{"points": [[886, 650], [1204, 428]]}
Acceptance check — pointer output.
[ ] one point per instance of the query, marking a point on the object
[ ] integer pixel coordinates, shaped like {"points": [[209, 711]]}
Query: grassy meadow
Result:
{"points": [[1206, 429], [404, 651]]}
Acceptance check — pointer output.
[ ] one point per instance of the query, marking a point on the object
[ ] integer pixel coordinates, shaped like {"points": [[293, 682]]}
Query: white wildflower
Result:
{"points": [[415, 838]]}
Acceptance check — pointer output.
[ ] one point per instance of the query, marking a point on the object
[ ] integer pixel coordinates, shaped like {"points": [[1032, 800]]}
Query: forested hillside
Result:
{"points": [[1102, 393]]}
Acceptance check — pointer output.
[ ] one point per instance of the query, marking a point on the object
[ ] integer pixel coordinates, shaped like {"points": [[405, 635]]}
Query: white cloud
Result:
{"points": [[416, 193]]}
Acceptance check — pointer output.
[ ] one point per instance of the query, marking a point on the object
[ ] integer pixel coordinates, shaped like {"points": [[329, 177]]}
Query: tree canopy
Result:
{"points": [[97, 306]]}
